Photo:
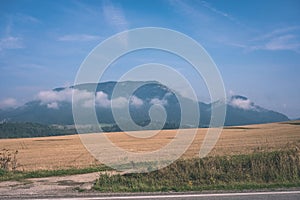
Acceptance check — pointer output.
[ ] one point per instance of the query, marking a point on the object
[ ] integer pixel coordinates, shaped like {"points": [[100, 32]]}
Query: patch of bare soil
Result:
{"points": [[49, 185]]}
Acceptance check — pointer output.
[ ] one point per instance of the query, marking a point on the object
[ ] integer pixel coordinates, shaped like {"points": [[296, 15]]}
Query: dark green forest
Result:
{"points": [[28, 129]]}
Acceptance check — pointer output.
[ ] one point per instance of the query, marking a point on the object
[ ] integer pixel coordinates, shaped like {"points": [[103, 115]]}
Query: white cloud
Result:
{"points": [[276, 32], [50, 96], [119, 102], [53, 105], [286, 38], [82, 98], [135, 101], [88, 103], [284, 42], [188, 9], [81, 95], [11, 42], [102, 99], [157, 101], [231, 93], [114, 16], [79, 38], [245, 104], [219, 12], [26, 18], [8, 103]]}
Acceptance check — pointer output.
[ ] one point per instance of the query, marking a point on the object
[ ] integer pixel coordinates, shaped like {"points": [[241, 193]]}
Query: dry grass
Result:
{"points": [[64, 152], [50, 153]]}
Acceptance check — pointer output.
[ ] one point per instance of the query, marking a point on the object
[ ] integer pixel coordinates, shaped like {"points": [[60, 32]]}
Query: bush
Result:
{"points": [[211, 172], [8, 160]]}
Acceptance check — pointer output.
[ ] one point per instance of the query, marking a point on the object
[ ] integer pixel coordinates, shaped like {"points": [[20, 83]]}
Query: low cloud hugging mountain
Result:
{"points": [[8, 103], [53, 98], [55, 106], [241, 102]]}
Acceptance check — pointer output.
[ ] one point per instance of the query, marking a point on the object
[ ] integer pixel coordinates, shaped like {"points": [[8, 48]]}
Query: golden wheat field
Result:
{"points": [[62, 152]]}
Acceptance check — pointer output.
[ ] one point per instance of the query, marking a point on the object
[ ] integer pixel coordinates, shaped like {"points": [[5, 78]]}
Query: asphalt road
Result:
{"points": [[276, 195]]}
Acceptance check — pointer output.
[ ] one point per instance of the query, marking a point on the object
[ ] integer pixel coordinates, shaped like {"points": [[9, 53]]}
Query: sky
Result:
{"points": [[254, 43]]}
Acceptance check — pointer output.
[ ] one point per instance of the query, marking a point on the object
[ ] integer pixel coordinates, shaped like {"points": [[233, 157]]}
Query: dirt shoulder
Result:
{"points": [[48, 186]]}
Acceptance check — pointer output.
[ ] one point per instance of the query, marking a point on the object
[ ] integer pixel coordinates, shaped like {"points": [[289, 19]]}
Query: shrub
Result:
{"points": [[280, 167], [8, 160]]}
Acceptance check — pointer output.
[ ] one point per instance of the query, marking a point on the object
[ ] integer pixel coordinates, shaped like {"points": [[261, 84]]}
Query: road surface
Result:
{"points": [[274, 195]]}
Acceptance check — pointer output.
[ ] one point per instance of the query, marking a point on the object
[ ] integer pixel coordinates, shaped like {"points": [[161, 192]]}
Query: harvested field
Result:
{"points": [[68, 152]]}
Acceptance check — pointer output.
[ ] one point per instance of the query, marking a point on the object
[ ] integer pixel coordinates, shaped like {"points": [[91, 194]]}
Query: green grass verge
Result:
{"points": [[19, 175], [255, 171]]}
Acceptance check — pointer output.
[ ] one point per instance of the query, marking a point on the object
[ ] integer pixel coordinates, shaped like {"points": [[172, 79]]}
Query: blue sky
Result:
{"points": [[255, 44]]}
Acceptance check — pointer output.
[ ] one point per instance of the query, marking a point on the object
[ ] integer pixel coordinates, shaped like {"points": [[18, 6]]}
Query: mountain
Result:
{"points": [[54, 107], [241, 111], [36, 112]]}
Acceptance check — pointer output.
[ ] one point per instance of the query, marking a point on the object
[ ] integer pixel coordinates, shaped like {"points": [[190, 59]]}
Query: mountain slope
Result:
{"points": [[54, 107], [241, 111]]}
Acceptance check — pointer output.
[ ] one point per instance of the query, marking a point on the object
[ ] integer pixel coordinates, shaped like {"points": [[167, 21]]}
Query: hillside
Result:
{"points": [[54, 107], [28, 129]]}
